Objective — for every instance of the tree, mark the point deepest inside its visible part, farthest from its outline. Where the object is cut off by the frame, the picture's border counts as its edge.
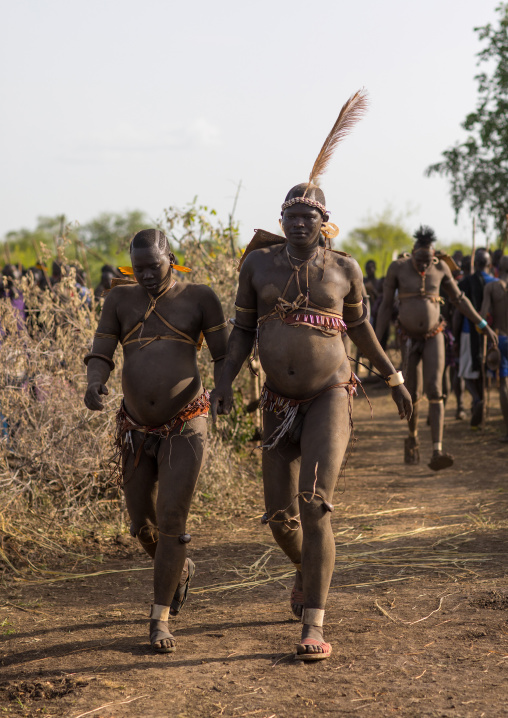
(27, 247)
(382, 239)
(478, 167)
(103, 240)
(108, 233)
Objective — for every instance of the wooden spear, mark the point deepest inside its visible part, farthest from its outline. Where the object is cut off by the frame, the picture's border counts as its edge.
(474, 245)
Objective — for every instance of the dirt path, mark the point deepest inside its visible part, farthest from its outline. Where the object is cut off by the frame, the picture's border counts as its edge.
(417, 614)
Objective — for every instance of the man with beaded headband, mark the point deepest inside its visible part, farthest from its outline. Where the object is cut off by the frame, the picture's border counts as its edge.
(161, 424)
(295, 300)
(419, 278)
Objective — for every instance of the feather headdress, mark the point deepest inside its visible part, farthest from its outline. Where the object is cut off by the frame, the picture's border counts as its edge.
(351, 112)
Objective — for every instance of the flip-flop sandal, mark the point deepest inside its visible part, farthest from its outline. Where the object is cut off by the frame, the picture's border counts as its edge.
(441, 461)
(296, 600)
(156, 635)
(326, 652)
(181, 592)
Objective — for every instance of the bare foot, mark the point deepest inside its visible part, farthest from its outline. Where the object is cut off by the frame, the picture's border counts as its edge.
(161, 640)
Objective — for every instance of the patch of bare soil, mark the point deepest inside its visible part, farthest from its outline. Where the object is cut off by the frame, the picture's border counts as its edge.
(417, 613)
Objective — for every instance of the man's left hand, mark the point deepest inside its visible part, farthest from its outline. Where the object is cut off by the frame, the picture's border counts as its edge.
(402, 398)
(491, 335)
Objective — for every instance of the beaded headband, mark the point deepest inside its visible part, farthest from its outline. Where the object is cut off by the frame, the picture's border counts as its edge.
(305, 200)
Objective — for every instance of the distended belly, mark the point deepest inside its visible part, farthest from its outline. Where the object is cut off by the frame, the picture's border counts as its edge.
(158, 382)
(300, 361)
(419, 315)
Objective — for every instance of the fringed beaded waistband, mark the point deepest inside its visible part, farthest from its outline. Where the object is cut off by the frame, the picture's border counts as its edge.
(287, 408)
(125, 424)
(318, 321)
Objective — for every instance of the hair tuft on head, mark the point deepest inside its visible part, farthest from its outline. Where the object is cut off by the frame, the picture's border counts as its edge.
(425, 236)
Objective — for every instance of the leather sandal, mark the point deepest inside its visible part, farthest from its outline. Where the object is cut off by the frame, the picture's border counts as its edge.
(321, 656)
(182, 590)
(159, 629)
(440, 461)
(296, 603)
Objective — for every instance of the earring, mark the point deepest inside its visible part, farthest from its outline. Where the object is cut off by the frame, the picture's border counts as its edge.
(329, 230)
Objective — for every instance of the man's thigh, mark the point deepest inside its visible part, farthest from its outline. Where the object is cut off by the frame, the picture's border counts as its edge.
(139, 479)
(434, 356)
(281, 469)
(180, 458)
(325, 436)
(413, 369)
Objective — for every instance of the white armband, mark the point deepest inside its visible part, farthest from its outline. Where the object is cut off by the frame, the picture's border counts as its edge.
(395, 379)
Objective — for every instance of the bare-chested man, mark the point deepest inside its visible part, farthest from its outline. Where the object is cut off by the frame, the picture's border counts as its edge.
(161, 429)
(419, 279)
(296, 299)
(495, 303)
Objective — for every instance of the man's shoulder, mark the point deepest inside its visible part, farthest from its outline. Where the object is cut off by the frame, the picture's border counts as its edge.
(196, 291)
(264, 253)
(121, 292)
(345, 263)
(495, 287)
(443, 268)
(404, 260)
(262, 256)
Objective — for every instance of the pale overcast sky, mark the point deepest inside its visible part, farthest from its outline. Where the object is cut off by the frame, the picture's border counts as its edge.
(111, 105)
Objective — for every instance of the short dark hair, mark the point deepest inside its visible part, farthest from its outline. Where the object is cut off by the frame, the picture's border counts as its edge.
(148, 238)
(481, 258)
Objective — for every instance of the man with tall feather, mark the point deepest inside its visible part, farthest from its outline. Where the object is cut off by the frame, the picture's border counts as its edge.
(295, 301)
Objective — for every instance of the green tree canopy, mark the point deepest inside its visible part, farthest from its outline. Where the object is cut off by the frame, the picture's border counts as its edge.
(478, 167)
(381, 239)
(108, 233)
(103, 240)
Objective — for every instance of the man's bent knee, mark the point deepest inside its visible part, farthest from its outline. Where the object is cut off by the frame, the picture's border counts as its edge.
(147, 534)
(281, 522)
(314, 507)
(172, 522)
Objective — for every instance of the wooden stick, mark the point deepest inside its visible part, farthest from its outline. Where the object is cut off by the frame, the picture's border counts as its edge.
(484, 382)
(474, 245)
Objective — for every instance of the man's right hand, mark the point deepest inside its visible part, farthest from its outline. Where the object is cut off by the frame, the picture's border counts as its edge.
(221, 401)
(93, 399)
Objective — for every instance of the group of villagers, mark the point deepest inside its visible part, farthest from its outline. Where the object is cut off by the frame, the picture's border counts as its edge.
(296, 300)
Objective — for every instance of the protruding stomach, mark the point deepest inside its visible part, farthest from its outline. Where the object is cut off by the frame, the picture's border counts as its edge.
(159, 380)
(300, 361)
(418, 315)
